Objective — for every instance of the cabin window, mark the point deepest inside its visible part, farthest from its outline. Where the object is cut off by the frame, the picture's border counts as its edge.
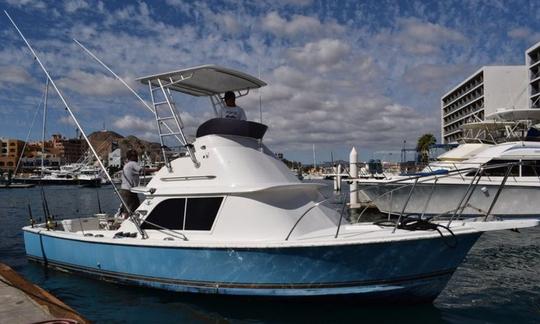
(191, 214)
(168, 214)
(501, 171)
(530, 169)
(201, 213)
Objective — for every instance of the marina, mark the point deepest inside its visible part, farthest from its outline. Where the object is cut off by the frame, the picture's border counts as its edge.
(206, 222)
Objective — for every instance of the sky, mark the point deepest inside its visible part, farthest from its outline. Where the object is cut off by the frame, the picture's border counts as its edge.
(368, 74)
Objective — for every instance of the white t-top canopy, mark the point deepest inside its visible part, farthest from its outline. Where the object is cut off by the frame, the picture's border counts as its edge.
(515, 114)
(205, 80)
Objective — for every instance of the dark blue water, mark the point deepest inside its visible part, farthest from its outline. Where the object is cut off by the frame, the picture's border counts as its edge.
(499, 282)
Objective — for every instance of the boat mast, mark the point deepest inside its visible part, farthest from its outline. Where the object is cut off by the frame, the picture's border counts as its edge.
(43, 128)
(27, 137)
(133, 219)
(314, 162)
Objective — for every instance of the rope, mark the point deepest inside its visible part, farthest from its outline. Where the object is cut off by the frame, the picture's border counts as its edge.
(410, 223)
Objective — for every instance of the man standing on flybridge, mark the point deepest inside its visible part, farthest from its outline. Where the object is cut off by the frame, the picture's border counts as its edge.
(231, 110)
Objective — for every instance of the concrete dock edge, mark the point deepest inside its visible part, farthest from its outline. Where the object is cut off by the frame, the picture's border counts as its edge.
(23, 302)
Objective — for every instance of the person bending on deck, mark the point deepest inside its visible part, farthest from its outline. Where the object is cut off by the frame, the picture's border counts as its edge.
(130, 179)
(231, 110)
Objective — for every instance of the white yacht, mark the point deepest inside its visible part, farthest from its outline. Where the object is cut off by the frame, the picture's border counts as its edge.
(482, 167)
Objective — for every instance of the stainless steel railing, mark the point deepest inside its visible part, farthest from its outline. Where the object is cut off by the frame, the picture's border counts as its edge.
(457, 212)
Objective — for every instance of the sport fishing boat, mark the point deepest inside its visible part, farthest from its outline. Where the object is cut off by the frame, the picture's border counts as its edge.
(229, 218)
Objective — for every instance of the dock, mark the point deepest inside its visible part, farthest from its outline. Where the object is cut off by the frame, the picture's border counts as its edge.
(23, 302)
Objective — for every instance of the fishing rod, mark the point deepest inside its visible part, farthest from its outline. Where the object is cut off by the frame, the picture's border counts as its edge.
(32, 222)
(83, 133)
(98, 201)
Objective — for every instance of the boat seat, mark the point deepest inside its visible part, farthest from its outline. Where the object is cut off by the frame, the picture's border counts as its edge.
(225, 126)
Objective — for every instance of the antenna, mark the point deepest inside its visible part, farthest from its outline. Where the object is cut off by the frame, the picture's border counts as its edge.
(53, 84)
(260, 95)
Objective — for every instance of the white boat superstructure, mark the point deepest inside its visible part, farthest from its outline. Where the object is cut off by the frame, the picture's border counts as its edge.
(438, 191)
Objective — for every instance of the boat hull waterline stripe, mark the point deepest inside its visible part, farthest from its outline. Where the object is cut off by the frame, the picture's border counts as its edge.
(249, 289)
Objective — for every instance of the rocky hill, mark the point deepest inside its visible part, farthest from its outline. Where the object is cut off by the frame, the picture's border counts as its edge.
(107, 141)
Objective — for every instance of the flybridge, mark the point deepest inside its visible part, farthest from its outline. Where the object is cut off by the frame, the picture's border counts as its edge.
(206, 80)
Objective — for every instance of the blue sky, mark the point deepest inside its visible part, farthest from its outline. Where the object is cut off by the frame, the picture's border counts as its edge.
(340, 73)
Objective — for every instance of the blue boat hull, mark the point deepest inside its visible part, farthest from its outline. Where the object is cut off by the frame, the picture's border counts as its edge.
(416, 270)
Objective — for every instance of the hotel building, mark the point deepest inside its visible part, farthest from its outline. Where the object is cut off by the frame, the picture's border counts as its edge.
(532, 60)
(10, 151)
(482, 93)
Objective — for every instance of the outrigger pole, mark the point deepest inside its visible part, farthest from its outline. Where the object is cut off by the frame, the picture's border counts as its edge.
(53, 84)
(115, 75)
(153, 111)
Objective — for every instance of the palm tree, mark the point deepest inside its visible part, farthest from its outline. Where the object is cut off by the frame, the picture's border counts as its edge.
(423, 144)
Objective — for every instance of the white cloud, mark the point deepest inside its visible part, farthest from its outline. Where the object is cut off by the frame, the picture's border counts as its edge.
(524, 33)
(426, 78)
(297, 25)
(14, 75)
(296, 2)
(322, 55)
(135, 124)
(34, 4)
(67, 120)
(92, 84)
(146, 127)
(230, 23)
(71, 6)
(420, 38)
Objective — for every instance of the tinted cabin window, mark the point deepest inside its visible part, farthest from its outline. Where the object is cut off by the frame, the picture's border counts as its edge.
(168, 214)
(201, 213)
(501, 171)
(530, 169)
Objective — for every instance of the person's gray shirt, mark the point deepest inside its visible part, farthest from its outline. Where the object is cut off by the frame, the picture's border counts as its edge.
(130, 175)
(233, 113)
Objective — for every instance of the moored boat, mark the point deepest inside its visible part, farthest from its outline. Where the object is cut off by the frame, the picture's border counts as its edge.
(229, 218)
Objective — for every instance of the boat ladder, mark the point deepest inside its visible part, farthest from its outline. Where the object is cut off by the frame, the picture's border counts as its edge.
(168, 120)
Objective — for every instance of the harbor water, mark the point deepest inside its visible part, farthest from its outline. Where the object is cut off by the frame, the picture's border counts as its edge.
(499, 281)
